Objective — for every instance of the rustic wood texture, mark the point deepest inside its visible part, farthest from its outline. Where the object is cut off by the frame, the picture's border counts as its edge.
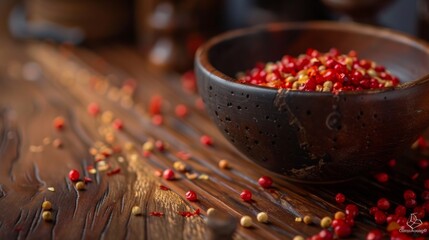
(70, 79)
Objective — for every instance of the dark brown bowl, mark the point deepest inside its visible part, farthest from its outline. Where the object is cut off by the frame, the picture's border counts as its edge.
(314, 136)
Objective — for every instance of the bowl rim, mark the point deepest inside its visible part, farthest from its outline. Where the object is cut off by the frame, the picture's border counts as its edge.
(201, 56)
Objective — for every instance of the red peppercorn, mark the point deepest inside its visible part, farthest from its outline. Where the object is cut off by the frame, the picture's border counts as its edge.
(373, 210)
(410, 203)
(425, 195)
(337, 222)
(409, 194)
(93, 109)
(343, 230)
(420, 212)
(340, 198)
(155, 105)
(426, 184)
(74, 175)
(160, 145)
(189, 81)
(382, 177)
(383, 204)
(181, 111)
(400, 211)
(352, 210)
(380, 217)
(325, 234)
(392, 163)
(349, 221)
(118, 124)
(168, 174)
(265, 181)
(191, 196)
(421, 142)
(157, 119)
(425, 206)
(391, 218)
(59, 123)
(374, 235)
(206, 140)
(423, 163)
(415, 176)
(402, 221)
(246, 195)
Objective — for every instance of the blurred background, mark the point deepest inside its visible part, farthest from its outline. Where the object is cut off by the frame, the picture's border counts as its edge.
(168, 32)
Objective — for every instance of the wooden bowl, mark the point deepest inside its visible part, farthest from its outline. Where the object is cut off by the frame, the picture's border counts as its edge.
(315, 136)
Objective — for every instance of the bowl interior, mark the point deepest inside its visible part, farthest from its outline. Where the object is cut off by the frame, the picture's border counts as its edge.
(240, 50)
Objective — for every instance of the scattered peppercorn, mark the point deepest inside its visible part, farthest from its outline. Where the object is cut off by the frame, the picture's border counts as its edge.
(168, 174)
(262, 217)
(93, 109)
(80, 186)
(47, 216)
(181, 111)
(189, 214)
(148, 146)
(382, 177)
(155, 105)
(156, 214)
(372, 210)
(223, 164)
(246, 221)
(188, 80)
(206, 140)
(383, 204)
(409, 194)
(210, 211)
(410, 203)
(340, 215)
(379, 217)
(179, 166)
(118, 124)
(325, 234)
(191, 196)
(46, 205)
(423, 163)
(315, 71)
(308, 219)
(392, 163)
(343, 230)
(136, 211)
(265, 181)
(113, 172)
(87, 180)
(325, 222)
(164, 188)
(246, 195)
(157, 120)
(59, 123)
(57, 143)
(352, 210)
(74, 175)
(160, 145)
(340, 198)
(400, 211)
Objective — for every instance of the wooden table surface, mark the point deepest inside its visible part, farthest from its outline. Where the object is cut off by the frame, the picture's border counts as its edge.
(40, 81)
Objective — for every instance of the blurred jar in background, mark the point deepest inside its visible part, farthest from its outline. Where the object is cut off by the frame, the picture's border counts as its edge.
(96, 20)
(170, 31)
(423, 15)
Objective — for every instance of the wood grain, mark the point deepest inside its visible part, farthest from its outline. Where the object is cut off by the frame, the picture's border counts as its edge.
(72, 78)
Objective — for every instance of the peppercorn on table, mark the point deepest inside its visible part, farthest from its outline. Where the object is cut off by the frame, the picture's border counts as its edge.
(97, 144)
